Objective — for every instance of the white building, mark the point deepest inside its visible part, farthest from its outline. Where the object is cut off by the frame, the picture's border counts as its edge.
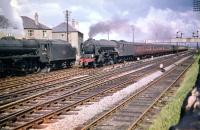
(33, 29)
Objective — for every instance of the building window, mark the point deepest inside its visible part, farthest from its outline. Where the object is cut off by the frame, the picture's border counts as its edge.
(30, 33)
(44, 33)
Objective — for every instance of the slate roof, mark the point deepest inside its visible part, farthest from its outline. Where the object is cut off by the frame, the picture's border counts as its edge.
(29, 23)
(62, 28)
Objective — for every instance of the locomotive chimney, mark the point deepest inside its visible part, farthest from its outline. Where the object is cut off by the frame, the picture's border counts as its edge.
(36, 19)
(73, 23)
(77, 25)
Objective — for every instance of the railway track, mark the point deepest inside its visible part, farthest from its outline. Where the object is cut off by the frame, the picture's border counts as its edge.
(128, 114)
(61, 85)
(37, 79)
(149, 117)
(30, 112)
(9, 95)
(15, 93)
(33, 76)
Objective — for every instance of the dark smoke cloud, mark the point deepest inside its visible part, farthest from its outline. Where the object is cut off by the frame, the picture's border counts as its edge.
(114, 25)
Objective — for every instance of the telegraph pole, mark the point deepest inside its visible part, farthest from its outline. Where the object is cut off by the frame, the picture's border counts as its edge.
(196, 35)
(67, 13)
(177, 36)
(196, 9)
(177, 43)
(108, 35)
(197, 40)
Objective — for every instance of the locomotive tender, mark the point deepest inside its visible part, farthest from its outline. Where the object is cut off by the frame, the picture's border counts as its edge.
(33, 55)
(99, 52)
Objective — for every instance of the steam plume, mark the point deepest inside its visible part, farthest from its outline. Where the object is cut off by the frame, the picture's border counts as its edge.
(10, 21)
(158, 24)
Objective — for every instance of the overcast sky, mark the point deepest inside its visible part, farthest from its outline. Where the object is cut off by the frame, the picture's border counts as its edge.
(151, 18)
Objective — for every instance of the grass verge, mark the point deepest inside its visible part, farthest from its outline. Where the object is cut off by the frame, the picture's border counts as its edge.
(170, 114)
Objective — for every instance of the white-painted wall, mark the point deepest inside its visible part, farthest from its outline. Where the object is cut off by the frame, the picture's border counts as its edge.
(38, 34)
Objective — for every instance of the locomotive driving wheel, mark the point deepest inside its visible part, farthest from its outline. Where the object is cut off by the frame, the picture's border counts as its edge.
(48, 69)
(111, 62)
(94, 65)
(38, 69)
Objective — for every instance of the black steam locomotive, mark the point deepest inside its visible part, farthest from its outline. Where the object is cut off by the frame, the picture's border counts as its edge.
(100, 52)
(33, 55)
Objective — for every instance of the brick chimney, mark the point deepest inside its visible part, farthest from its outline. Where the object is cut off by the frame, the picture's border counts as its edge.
(77, 25)
(73, 23)
(36, 19)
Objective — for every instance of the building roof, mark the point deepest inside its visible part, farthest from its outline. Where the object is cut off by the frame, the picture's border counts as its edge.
(62, 28)
(29, 23)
